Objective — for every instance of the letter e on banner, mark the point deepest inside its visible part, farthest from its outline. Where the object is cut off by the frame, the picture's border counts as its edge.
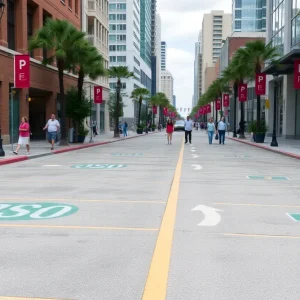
(242, 92)
(98, 94)
(260, 84)
(297, 74)
(22, 71)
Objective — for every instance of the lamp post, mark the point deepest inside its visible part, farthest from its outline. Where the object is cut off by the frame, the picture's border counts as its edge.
(118, 92)
(2, 6)
(2, 153)
(274, 140)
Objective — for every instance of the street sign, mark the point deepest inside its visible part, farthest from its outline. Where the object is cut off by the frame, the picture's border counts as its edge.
(211, 215)
(294, 216)
(35, 211)
(98, 166)
(267, 177)
(127, 154)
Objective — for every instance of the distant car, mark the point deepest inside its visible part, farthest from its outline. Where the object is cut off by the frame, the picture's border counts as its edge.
(179, 125)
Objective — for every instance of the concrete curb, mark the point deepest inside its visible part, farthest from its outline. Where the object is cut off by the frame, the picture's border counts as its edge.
(20, 158)
(284, 153)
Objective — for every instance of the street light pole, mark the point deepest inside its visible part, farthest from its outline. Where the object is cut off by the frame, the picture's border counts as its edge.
(274, 139)
(91, 123)
(2, 153)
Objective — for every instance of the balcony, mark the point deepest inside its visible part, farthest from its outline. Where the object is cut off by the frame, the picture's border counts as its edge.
(95, 41)
(96, 10)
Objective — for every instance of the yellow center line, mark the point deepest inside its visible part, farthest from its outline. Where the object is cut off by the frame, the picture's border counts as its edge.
(261, 235)
(84, 200)
(76, 227)
(156, 284)
(254, 204)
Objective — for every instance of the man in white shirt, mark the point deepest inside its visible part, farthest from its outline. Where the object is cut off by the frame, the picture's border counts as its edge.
(188, 127)
(53, 128)
(222, 130)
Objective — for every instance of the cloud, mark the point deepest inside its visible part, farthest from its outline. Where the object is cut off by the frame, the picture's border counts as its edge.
(184, 6)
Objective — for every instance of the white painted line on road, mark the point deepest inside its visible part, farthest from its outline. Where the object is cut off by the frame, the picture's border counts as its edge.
(254, 204)
(211, 215)
(193, 150)
(197, 167)
(260, 235)
(291, 217)
(51, 166)
(195, 155)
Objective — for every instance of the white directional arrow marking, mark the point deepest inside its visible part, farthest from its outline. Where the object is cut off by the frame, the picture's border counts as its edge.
(197, 167)
(211, 215)
(195, 155)
(193, 150)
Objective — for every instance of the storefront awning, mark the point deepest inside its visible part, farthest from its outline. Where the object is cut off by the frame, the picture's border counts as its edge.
(285, 65)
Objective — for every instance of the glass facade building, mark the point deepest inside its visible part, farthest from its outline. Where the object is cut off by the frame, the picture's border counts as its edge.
(278, 23)
(145, 25)
(248, 15)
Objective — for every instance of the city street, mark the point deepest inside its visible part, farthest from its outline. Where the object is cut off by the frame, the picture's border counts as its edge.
(140, 219)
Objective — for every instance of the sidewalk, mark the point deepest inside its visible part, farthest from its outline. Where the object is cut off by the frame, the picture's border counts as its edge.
(42, 148)
(285, 147)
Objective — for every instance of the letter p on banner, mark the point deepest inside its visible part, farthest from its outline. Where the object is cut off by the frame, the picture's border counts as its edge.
(260, 84)
(21, 71)
(98, 95)
(242, 92)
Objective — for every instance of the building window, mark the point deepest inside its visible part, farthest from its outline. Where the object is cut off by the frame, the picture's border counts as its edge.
(29, 26)
(112, 37)
(121, 6)
(70, 4)
(136, 61)
(11, 25)
(112, 59)
(112, 17)
(121, 17)
(76, 7)
(121, 37)
(121, 58)
(112, 85)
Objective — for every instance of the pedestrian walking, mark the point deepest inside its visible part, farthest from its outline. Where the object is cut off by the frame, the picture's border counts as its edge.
(24, 133)
(188, 127)
(222, 131)
(169, 130)
(125, 126)
(53, 127)
(211, 129)
(95, 128)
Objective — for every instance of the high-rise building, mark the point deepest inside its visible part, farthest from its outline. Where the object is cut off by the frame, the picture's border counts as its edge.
(248, 16)
(174, 100)
(95, 24)
(163, 56)
(145, 28)
(216, 27)
(158, 53)
(197, 70)
(21, 19)
(167, 84)
(154, 70)
(125, 32)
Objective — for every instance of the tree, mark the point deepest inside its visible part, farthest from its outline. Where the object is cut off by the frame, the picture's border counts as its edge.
(255, 54)
(236, 73)
(61, 38)
(161, 100)
(112, 104)
(86, 61)
(119, 72)
(139, 94)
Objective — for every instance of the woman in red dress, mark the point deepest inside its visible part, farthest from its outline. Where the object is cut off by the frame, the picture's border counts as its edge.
(170, 129)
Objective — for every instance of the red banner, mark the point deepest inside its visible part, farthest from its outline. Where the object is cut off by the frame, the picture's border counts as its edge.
(218, 104)
(204, 110)
(208, 108)
(260, 84)
(225, 100)
(242, 92)
(297, 74)
(22, 71)
(98, 95)
(165, 111)
(201, 110)
(154, 109)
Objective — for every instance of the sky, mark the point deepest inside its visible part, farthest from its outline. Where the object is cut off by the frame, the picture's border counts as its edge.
(181, 22)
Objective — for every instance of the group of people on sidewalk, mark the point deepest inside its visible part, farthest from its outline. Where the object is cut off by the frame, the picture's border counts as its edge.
(218, 130)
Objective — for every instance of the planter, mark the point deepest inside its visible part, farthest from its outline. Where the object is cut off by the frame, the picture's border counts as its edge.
(81, 139)
(139, 131)
(259, 138)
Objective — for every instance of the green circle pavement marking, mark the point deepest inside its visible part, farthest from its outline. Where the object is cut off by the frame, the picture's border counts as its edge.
(35, 211)
(99, 166)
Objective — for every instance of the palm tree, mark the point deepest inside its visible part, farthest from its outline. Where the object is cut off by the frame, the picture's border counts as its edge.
(256, 53)
(163, 101)
(119, 72)
(61, 38)
(139, 94)
(236, 73)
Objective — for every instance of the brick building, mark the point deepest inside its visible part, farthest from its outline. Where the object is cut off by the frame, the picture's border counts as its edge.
(20, 21)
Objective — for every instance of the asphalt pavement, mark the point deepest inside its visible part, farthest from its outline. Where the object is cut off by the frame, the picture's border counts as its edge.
(145, 220)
